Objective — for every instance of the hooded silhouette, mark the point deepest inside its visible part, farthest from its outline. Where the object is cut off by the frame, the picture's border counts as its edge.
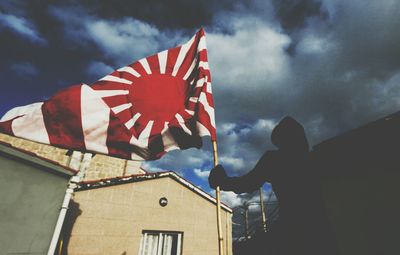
(289, 136)
(302, 221)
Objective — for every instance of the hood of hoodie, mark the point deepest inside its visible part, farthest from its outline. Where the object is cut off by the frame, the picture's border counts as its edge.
(289, 135)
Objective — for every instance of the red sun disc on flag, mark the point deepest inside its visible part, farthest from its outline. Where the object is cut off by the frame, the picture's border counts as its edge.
(158, 97)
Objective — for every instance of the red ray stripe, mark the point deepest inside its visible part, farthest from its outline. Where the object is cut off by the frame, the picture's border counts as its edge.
(190, 55)
(5, 127)
(193, 74)
(158, 126)
(210, 99)
(205, 73)
(203, 56)
(140, 125)
(118, 138)
(154, 64)
(185, 115)
(204, 119)
(62, 117)
(128, 76)
(139, 68)
(109, 85)
(124, 75)
(171, 60)
(116, 74)
(191, 106)
(116, 100)
(124, 116)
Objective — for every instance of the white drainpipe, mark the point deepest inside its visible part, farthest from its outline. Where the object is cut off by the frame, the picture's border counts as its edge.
(61, 216)
(78, 161)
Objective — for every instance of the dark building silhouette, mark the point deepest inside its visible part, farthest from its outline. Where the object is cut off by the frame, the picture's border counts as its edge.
(360, 176)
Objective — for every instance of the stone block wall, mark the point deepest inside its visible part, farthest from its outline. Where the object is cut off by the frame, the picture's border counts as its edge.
(102, 166)
(42, 150)
(94, 167)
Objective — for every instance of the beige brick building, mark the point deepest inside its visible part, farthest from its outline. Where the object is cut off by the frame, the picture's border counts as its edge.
(126, 216)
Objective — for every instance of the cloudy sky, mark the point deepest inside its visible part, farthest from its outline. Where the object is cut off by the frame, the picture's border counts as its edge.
(332, 64)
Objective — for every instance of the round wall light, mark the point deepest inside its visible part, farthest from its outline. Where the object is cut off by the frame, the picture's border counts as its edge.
(163, 201)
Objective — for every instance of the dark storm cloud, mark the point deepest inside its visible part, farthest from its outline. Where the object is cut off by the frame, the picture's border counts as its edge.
(348, 66)
(25, 69)
(163, 14)
(58, 64)
(293, 14)
(36, 32)
(339, 77)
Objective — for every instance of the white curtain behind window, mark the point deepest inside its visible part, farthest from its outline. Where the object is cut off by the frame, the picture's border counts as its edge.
(150, 244)
(160, 244)
(167, 244)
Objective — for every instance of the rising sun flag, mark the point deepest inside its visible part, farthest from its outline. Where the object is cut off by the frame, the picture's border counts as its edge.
(141, 111)
(138, 112)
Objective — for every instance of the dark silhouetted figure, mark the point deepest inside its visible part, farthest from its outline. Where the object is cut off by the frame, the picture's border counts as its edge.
(303, 227)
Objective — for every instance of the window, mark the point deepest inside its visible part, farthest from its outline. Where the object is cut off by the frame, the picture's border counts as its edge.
(161, 243)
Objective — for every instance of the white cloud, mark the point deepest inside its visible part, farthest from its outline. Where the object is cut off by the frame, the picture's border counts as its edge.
(184, 160)
(202, 174)
(227, 127)
(264, 125)
(21, 26)
(254, 207)
(117, 38)
(231, 199)
(123, 40)
(242, 144)
(198, 158)
(312, 44)
(148, 167)
(252, 57)
(234, 163)
(253, 199)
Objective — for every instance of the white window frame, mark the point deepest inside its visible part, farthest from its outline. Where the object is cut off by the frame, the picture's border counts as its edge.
(161, 236)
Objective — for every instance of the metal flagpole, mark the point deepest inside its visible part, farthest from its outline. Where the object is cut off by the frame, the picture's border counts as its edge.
(264, 221)
(218, 196)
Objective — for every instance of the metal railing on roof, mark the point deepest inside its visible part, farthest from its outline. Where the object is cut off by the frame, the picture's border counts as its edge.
(254, 225)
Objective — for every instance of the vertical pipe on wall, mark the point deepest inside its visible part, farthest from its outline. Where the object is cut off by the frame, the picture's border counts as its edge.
(61, 216)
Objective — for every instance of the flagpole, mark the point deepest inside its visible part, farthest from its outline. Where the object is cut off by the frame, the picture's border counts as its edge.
(218, 197)
(264, 220)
